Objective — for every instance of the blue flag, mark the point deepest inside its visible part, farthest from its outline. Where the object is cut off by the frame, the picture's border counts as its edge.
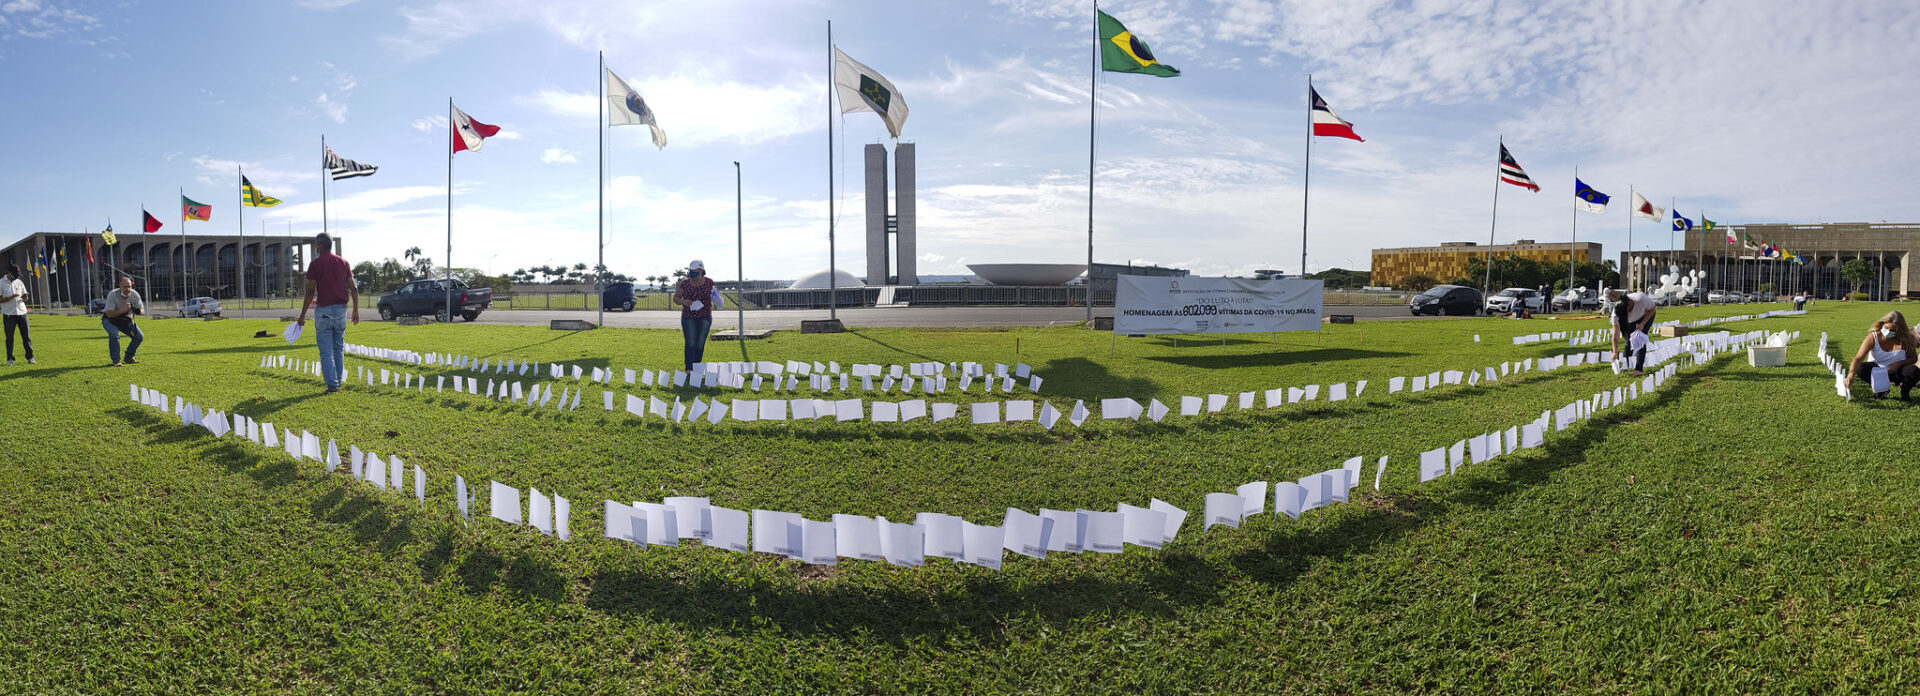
(1587, 199)
(1681, 224)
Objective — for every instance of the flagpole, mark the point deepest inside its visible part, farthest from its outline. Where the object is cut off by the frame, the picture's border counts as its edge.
(1093, 115)
(451, 134)
(1306, 179)
(1575, 240)
(833, 267)
(1486, 286)
(1630, 214)
(181, 268)
(239, 221)
(600, 239)
(1670, 213)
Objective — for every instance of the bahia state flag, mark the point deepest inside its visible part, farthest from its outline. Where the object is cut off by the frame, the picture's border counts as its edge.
(863, 89)
(1587, 199)
(1121, 51)
(193, 210)
(1681, 223)
(1325, 122)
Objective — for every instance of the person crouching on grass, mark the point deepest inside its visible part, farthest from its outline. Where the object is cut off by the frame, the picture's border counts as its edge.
(122, 304)
(1889, 345)
(1632, 315)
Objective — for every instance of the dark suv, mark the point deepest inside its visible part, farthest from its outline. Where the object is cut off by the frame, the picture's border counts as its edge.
(617, 296)
(1446, 300)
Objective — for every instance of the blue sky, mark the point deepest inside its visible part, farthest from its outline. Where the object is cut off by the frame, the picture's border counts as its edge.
(1753, 111)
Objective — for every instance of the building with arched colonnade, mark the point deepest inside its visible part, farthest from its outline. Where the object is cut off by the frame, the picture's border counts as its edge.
(165, 268)
(1888, 248)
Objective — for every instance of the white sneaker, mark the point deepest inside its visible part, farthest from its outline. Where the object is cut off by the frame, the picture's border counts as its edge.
(9, 363)
(31, 361)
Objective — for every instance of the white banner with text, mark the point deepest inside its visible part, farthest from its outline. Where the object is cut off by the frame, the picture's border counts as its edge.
(1162, 304)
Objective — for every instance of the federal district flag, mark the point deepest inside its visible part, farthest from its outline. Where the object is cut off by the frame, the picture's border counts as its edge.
(1325, 122)
(253, 197)
(1121, 51)
(152, 224)
(626, 108)
(862, 89)
(342, 168)
(1587, 199)
(191, 210)
(1511, 172)
(1645, 209)
(467, 133)
(1681, 223)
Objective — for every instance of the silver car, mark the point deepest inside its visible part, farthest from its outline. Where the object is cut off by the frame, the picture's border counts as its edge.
(200, 307)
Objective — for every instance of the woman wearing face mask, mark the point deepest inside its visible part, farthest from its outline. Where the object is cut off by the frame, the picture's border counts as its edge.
(697, 298)
(1889, 346)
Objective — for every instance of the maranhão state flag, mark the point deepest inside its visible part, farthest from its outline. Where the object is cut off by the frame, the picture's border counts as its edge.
(467, 133)
(1325, 122)
(1510, 171)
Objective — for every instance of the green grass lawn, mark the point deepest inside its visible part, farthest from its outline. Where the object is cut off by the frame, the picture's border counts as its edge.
(1740, 530)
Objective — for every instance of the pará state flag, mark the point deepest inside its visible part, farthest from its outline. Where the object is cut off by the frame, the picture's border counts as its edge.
(626, 108)
(1587, 199)
(862, 89)
(1681, 223)
(1122, 51)
(467, 133)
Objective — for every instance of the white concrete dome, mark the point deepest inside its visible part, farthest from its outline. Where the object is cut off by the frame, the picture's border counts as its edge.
(817, 280)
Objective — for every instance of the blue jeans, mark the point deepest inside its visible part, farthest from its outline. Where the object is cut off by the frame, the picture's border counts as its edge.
(330, 331)
(113, 340)
(694, 330)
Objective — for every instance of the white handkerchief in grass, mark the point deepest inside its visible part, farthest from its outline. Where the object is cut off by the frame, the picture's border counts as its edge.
(985, 412)
(1289, 499)
(1479, 449)
(802, 409)
(624, 523)
(817, 543)
(1295, 394)
(1379, 472)
(1006, 385)
(1276, 397)
(1190, 405)
(1313, 392)
(419, 484)
(1473, 378)
(539, 511)
(1224, 508)
(885, 412)
(1050, 415)
(716, 412)
(1156, 410)
(912, 408)
(746, 410)
(729, 529)
(1106, 531)
(943, 411)
(902, 544)
(849, 409)
(1068, 530)
(1019, 410)
(1246, 400)
(1142, 526)
(1079, 414)
(857, 537)
(1490, 376)
(1216, 403)
(1174, 518)
(1033, 384)
(1419, 383)
(777, 532)
(1359, 388)
(663, 523)
(1024, 533)
(1339, 482)
(944, 537)
(696, 410)
(1337, 392)
(1318, 491)
(773, 409)
(1112, 409)
(1512, 440)
(1433, 464)
(396, 473)
(505, 503)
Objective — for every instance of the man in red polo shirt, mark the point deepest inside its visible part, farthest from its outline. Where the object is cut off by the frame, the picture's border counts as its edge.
(329, 289)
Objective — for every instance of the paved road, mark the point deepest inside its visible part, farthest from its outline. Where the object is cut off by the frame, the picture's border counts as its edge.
(876, 317)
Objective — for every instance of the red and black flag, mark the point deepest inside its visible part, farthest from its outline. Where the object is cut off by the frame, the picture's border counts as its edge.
(1511, 172)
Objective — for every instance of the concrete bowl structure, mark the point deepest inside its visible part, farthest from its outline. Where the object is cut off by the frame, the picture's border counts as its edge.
(1027, 273)
(817, 280)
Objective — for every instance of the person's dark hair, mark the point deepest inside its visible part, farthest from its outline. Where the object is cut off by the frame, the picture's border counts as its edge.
(13, 268)
(323, 243)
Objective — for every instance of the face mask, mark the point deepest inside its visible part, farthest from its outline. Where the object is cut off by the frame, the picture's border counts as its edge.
(1886, 333)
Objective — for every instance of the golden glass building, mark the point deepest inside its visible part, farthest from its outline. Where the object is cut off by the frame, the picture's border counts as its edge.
(1449, 260)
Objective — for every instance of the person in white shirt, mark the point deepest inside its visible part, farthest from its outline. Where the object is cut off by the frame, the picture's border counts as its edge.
(1889, 346)
(13, 311)
(1632, 316)
(122, 304)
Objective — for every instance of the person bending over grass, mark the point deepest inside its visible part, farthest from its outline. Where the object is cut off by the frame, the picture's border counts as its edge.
(1889, 345)
(122, 304)
(1632, 315)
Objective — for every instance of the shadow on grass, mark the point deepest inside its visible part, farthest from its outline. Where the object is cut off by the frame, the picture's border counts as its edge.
(39, 372)
(856, 333)
(1276, 358)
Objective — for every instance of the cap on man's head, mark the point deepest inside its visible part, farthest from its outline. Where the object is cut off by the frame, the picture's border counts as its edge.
(697, 265)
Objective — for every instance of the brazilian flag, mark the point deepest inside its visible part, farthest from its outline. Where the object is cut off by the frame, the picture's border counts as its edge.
(1121, 51)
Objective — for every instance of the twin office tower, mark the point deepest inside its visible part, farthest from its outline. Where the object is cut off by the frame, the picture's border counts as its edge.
(900, 224)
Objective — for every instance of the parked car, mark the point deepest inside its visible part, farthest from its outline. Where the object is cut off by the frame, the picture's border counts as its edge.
(617, 296)
(1446, 300)
(200, 307)
(430, 298)
(1720, 297)
(1502, 302)
(97, 306)
(1766, 297)
(1575, 300)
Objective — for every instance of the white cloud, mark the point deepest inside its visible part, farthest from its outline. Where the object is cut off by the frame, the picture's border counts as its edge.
(706, 111)
(554, 155)
(332, 109)
(430, 123)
